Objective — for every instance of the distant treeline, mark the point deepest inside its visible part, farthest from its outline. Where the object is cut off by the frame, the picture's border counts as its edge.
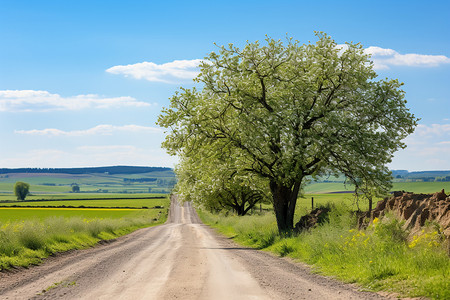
(427, 176)
(139, 179)
(108, 170)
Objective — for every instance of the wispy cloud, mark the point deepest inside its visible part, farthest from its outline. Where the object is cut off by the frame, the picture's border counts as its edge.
(432, 130)
(384, 58)
(107, 148)
(103, 129)
(171, 72)
(428, 148)
(32, 100)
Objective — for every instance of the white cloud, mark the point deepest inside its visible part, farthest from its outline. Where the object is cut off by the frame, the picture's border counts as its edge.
(103, 129)
(384, 58)
(426, 136)
(171, 72)
(428, 149)
(432, 130)
(32, 100)
(107, 148)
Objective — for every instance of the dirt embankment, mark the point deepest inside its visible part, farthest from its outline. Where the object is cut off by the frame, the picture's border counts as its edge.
(416, 210)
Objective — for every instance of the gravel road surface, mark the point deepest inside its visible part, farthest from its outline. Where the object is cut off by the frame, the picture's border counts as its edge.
(182, 259)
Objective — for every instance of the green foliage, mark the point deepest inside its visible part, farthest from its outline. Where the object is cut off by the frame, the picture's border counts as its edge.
(284, 112)
(216, 183)
(21, 190)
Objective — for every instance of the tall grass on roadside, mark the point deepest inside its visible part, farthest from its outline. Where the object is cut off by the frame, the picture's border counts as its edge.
(26, 242)
(382, 257)
(255, 231)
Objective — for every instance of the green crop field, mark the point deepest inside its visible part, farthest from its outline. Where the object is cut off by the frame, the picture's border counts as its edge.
(421, 187)
(327, 187)
(21, 213)
(8, 188)
(84, 196)
(133, 203)
(14, 214)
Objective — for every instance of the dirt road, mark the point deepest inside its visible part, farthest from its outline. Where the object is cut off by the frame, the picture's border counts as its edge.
(182, 259)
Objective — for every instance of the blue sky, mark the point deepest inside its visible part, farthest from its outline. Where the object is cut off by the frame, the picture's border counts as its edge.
(82, 82)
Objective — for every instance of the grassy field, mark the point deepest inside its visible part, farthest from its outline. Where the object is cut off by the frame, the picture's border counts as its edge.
(126, 203)
(19, 214)
(416, 187)
(94, 182)
(87, 196)
(8, 188)
(327, 187)
(29, 234)
(328, 195)
(421, 187)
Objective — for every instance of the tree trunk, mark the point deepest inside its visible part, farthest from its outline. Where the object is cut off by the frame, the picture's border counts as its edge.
(284, 201)
(240, 209)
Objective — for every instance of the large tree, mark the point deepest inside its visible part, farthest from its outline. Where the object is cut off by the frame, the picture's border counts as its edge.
(293, 111)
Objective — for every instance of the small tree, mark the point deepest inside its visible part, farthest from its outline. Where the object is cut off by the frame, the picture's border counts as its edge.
(21, 190)
(216, 183)
(75, 188)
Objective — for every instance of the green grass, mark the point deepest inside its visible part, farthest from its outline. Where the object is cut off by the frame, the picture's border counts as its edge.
(6, 187)
(327, 187)
(29, 234)
(382, 257)
(416, 187)
(421, 187)
(86, 196)
(304, 203)
(19, 214)
(134, 203)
